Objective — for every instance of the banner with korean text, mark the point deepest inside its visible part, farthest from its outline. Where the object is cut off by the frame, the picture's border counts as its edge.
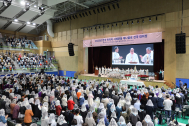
(125, 40)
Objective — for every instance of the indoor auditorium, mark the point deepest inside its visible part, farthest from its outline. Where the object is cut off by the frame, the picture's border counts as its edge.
(94, 62)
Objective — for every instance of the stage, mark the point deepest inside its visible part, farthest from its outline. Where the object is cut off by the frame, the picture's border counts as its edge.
(160, 83)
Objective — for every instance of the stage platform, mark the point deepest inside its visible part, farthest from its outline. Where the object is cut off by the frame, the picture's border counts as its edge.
(160, 83)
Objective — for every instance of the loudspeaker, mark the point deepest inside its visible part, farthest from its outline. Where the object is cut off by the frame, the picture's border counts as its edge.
(180, 43)
(70, 49)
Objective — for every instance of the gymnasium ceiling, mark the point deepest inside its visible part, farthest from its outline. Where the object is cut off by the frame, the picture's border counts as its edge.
(29, 16)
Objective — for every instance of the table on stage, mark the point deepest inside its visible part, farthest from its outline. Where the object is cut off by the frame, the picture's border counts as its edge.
(128, 82)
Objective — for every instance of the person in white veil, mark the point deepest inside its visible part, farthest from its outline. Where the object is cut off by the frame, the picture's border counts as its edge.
(138, 123)
(137, 104)
(97, 101)
(101, 122)
(52, 118)
(44, 119)
(44, 107)
(134, 117)
(64, 102)
(113, 122)
(129, 124)
(121, 122)
(89, 119)
(113, 115)
(149, 108)
(122, 101)
(46, 99)
(83, 112)
(61, 121)
(3, 118)
(147, 121)
(160, 101)
(90, 98)
(101, 106)
(28, 115)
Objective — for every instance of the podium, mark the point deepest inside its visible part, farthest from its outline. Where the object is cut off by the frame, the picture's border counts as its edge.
(96, 72)
(156, 76)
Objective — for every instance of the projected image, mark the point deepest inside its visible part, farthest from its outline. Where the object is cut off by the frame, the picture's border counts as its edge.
(133, 54)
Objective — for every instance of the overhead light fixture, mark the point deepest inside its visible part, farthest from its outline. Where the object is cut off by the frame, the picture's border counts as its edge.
(73, 17)
(127, 23)
(109, 7)
(142, 20)
(137, 21)
(150, 19)
(132, 22)
(76, 16)
(91, 28)
(113, 6)
(98, 10)
(94, 11)
(156, 18)
(35, 6)
(16, 20)
(99, 27)
(87, 29)
(108, 26)
(34, 24)
(122, 23)
(112, 25)
(104, 9)
(28, 22)
(118, 5)
(90, 12)
(64, 19)
(83, 14)
(22, 2)
(70, 18)
(80, 15)
(116, 24)
(86, 13)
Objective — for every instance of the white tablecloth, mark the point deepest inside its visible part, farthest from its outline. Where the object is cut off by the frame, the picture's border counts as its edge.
(128, 82)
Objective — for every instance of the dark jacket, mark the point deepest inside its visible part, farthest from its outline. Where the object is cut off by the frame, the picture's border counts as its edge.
(178, 100)
(116, 99)
(160, 102)
(83, 114)
(149, 111)
(134, 119)
(154, 101)
(142, 115)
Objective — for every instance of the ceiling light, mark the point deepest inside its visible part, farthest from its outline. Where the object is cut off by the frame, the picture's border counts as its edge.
(22, 2)
(150, 19)
(35, 5)
(16, 20)
(28, 22)
(34, 23)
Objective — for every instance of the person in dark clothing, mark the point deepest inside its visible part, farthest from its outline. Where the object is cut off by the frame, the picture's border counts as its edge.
(142, 113)
(143, 100)
(154, 101)
(115, 98)
(149, 108)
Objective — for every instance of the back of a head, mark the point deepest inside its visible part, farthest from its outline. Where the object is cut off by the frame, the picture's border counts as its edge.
(85, 124)
(77, 111)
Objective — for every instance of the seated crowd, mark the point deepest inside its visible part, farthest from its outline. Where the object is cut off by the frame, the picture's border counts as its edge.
(56, 101)
(20, 43)
(33, 62)
(6, 64)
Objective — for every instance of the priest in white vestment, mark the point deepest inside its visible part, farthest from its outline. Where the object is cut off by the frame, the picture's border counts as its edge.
(148, 57)
(131, 57)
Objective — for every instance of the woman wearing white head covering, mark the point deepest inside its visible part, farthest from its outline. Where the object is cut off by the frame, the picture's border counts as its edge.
(37, 109)
(46, 99)
(128, 96)
(101, 106)
(160, 101)
(3, 118)
(138, 123)
(134, 118)
(137, 104)
(90, 98)
(97, 101)
(121, 121)
(44, 119)
(83, 112)
(113, 122)
(58, 108)
(113, 115)
(178, 99)
(89, 119)
(149, 108)
(147, 121)
(61, 121)
(64, 101)
(28, 115)
(51, 118)
(7, 106)
(44, 107)
(74, 95)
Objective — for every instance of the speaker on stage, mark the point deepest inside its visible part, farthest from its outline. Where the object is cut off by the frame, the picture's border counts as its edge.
(70, 49)
(180, 43)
